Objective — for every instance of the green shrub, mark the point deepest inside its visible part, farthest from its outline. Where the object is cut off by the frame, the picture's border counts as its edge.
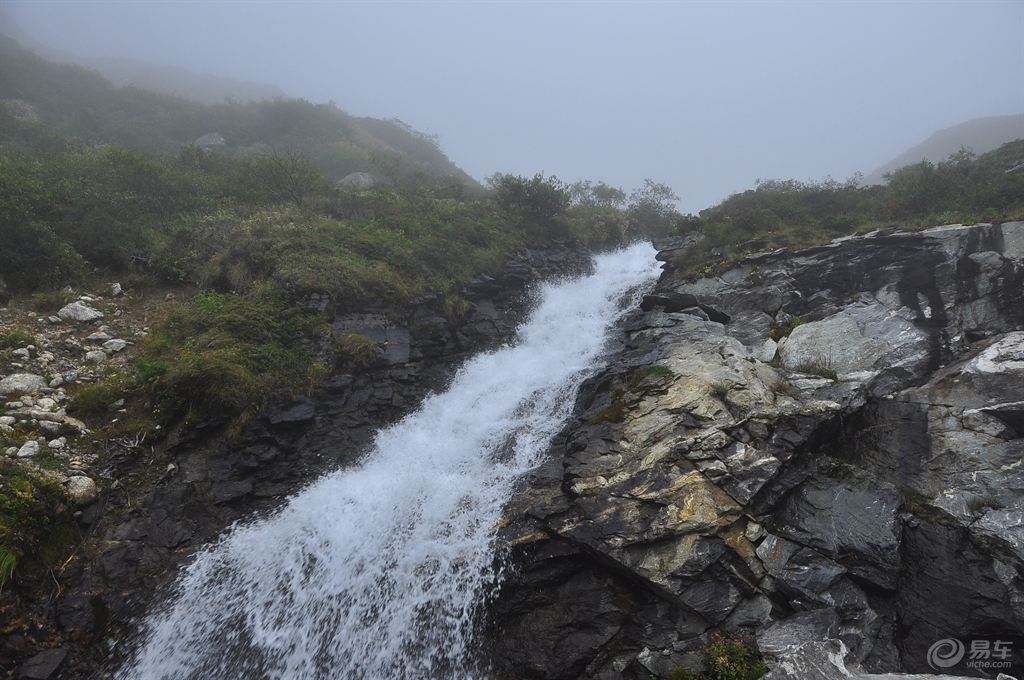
(51, 301)
(15, 338)
(228, 357)
(726, 658)
(93, 400)
(36, 527)
(8, 563)
(360, 349)
(779, 331)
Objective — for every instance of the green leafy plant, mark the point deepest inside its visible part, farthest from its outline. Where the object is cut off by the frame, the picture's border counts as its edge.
(783, 330)
(726, 658)
(8, 563)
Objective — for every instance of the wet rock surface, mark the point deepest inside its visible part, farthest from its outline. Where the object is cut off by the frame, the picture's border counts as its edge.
(854, 484)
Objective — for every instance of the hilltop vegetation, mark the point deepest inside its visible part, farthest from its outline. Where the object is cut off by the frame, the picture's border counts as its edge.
(964, 188)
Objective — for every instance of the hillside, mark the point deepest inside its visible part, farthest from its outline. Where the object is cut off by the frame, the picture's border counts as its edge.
(981, 135)
(163, 78)
(42, 98)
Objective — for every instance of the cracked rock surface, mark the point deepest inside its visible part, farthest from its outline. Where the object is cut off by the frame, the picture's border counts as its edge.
(856, 485)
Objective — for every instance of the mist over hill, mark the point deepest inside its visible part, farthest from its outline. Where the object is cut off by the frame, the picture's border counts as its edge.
(981, 135)
(42, 97)
(163, 78)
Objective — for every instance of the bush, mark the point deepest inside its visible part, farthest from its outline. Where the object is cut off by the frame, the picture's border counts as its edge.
(726, 658)
(93, 400)
(228, 357)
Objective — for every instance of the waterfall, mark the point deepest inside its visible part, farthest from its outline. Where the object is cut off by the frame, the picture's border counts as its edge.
(376, 571)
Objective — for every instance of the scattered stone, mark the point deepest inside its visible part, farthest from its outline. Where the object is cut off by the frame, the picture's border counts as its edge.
(28, 401)
(169, 297)
(22, 353)
(53, 319)
(116, 405)
(50, 428)
(82, 490)
(98, 336)
(21, 383)
(58, 443)
(29, 449)
(57, 382)
(77, 311)
(70, 376)
(95, 356)
(115, 345)
(11, 451)
(115, 290)
(7, 420)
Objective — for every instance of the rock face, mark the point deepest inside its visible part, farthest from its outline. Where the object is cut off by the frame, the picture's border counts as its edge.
(856, 484)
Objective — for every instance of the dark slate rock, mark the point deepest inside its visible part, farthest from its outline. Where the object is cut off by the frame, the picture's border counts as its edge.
(42, 666)
(300, 411)
(858, 528)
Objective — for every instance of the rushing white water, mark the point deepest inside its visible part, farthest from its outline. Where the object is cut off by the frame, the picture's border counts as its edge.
(376, 571)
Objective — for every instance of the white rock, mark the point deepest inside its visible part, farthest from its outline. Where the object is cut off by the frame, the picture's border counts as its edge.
(77, 311)
(57, 382)
(115, 290)
(29, 449)
(7, 420)
(28, 401)
(23, 353)
(96, 356)
(21, 383)
(115, 345)
(98, 336)
(49, 427)
(82, 490)
(58, 443)
(11, 451)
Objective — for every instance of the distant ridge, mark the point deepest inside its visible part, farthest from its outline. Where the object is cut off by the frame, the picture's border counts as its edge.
(979, 134)
(163, 78)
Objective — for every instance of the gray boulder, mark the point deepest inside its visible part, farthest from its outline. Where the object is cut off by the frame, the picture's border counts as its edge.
(79, 311)
(21, 383)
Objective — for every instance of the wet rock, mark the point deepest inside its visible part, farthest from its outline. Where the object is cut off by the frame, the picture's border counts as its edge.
(300, 411)
(783, 502)
(858, 528)
(44, 665)
(79, 311)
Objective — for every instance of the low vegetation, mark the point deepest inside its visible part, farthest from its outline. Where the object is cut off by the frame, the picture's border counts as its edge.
(790, 214)
(725, 658)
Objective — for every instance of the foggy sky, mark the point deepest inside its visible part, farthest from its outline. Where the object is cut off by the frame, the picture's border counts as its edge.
(705, 97)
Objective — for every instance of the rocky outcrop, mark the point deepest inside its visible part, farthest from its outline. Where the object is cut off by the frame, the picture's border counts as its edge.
(817, 447)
